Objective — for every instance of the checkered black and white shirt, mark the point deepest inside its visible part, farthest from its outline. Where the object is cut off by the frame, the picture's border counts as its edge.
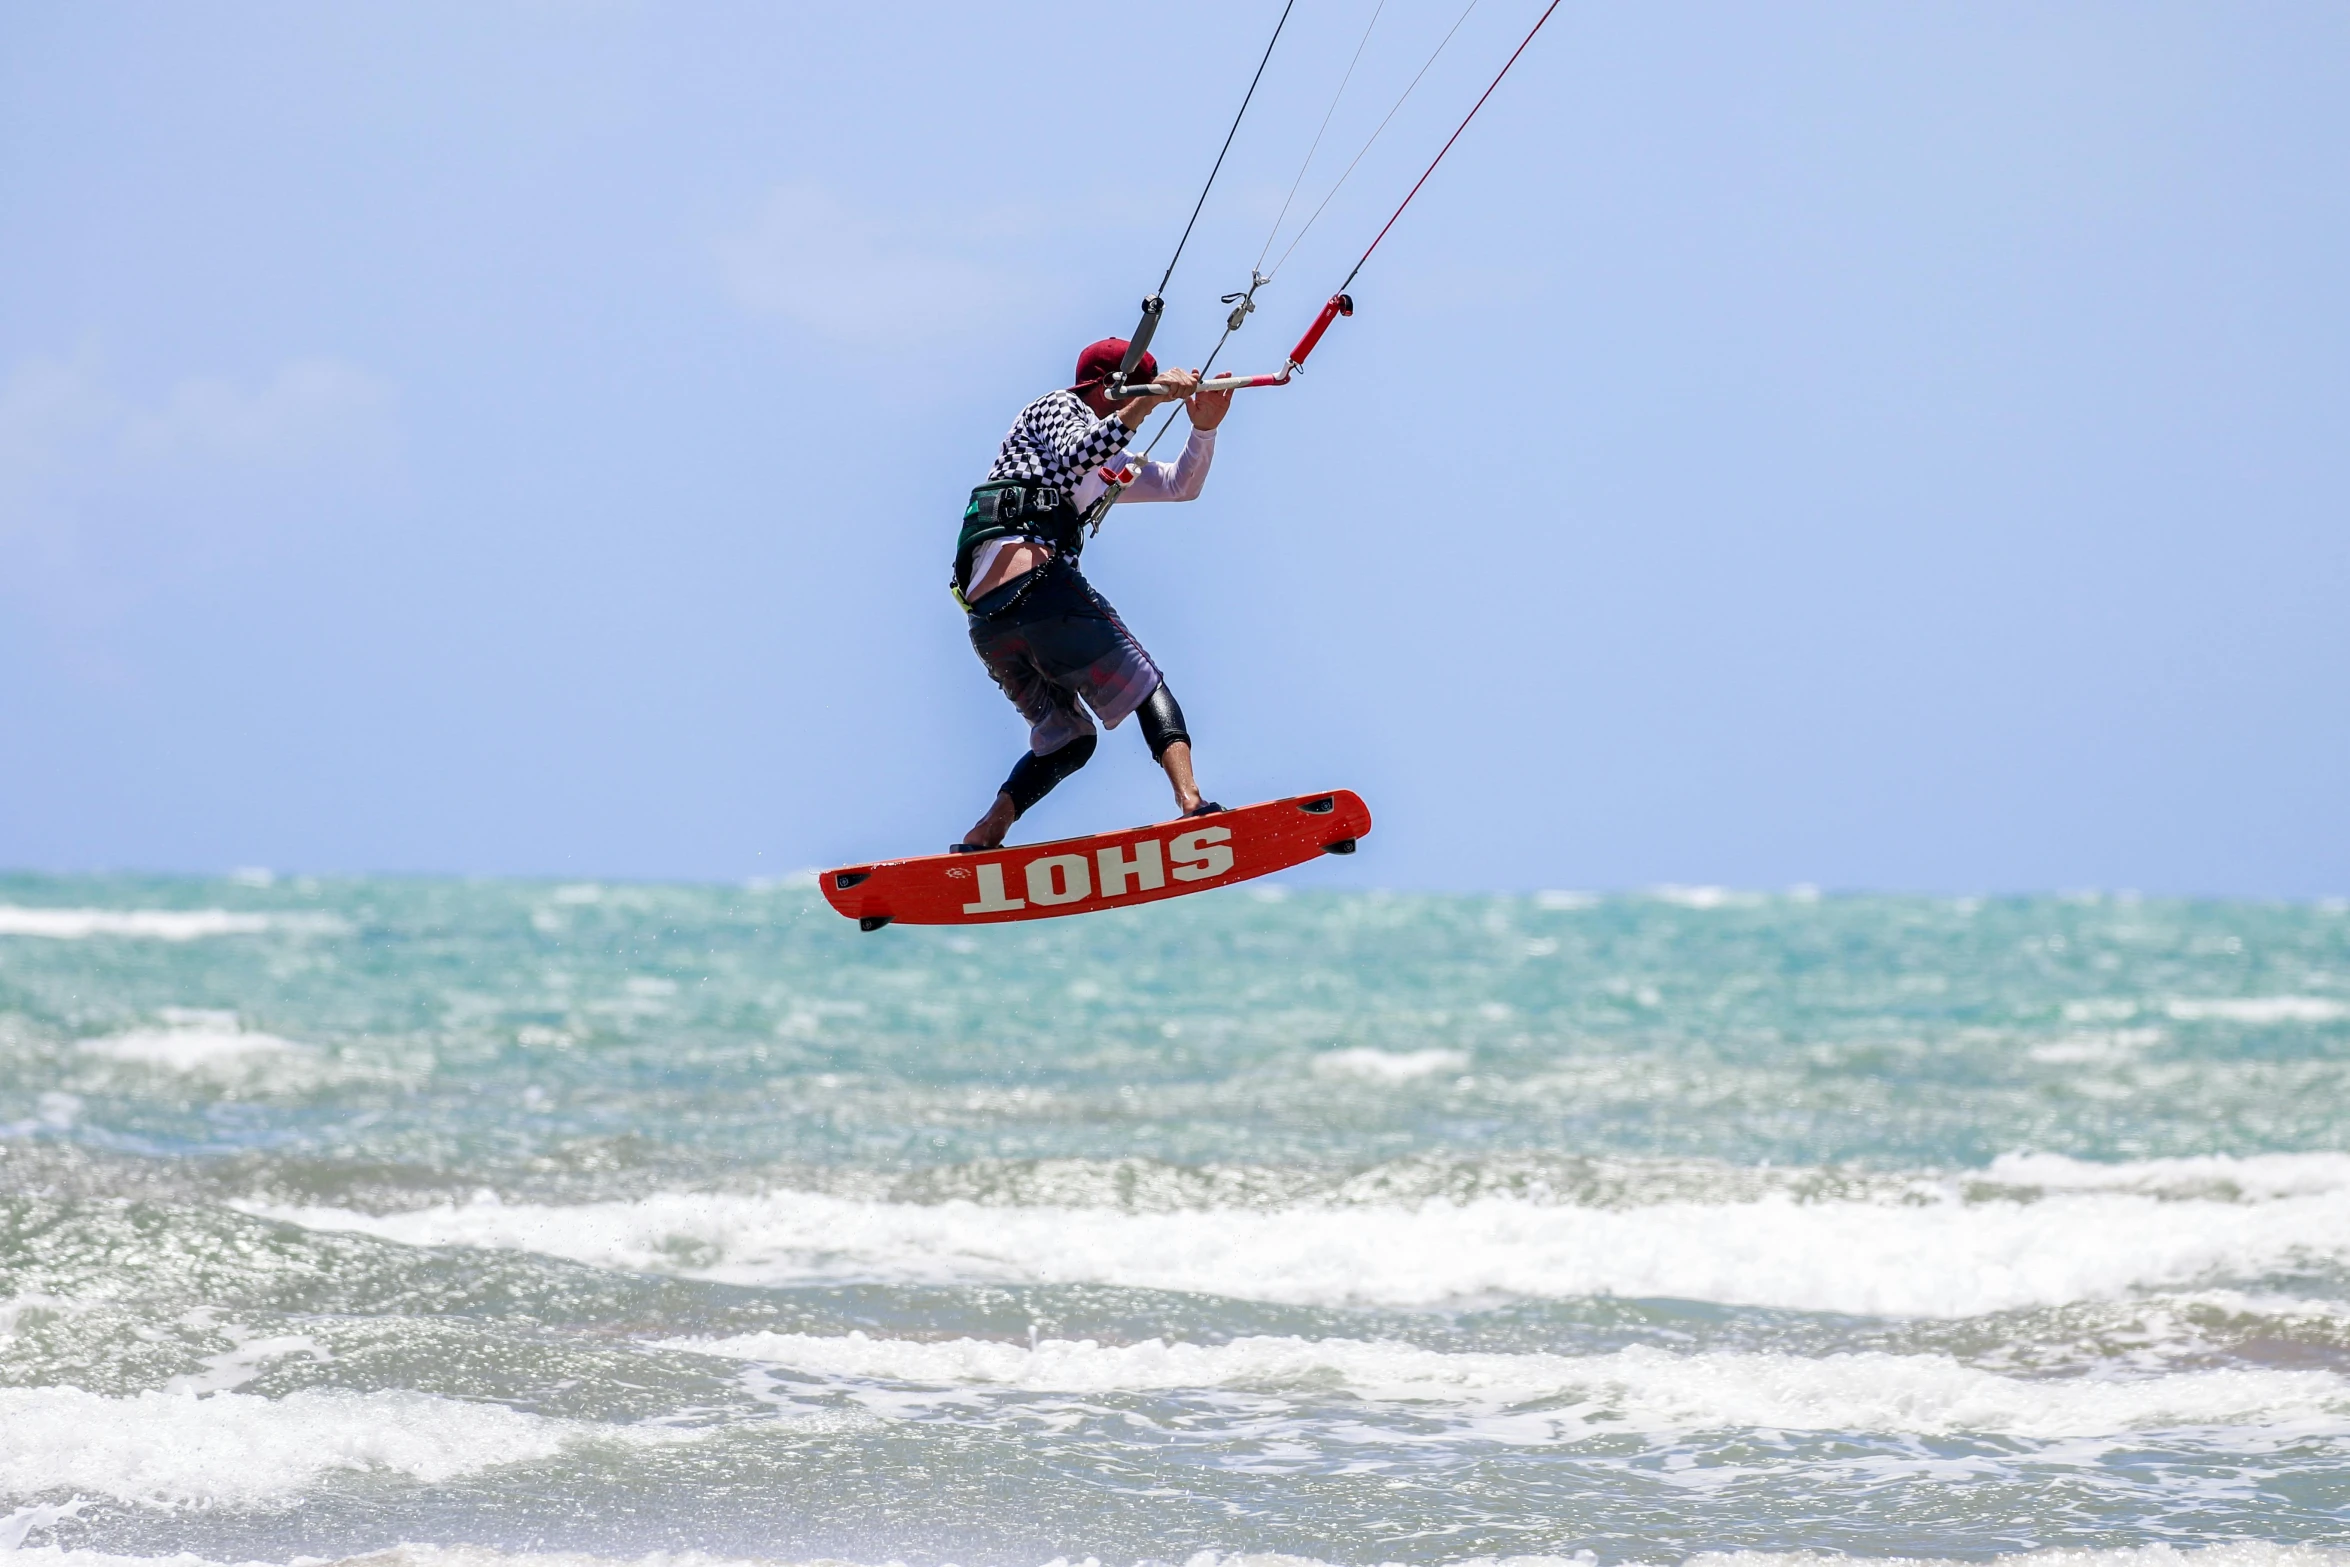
(1058, 441)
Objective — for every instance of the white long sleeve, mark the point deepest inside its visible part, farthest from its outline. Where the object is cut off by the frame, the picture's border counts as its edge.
(1179, 480)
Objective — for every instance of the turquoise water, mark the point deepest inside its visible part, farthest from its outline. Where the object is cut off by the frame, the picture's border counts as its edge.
(480, 1219)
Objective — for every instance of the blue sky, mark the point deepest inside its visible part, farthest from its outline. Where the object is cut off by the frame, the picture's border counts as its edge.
(1879, 447)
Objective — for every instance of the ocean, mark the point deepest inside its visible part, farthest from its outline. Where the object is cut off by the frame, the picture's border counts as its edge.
(463, 1223)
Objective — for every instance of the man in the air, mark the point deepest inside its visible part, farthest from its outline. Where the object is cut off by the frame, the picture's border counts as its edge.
(1053, 644)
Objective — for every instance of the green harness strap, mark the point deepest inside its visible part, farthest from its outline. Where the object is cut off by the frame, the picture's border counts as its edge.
(1015, 508)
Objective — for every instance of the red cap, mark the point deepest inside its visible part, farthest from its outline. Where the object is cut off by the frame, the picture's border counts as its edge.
(1101, 360)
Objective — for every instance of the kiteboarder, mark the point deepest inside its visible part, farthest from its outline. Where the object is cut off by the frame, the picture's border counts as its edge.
(1053, 644)
(1059, 651)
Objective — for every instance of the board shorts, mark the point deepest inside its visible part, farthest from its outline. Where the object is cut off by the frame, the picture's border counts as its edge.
(1058, 649)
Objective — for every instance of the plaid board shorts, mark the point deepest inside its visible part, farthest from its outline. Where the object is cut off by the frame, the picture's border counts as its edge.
(1061, 642)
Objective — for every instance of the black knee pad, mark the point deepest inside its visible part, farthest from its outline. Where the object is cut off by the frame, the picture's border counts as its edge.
(1033, 776)
(1162, 721)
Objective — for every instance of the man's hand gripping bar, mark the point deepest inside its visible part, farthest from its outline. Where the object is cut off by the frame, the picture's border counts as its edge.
(1340, 305)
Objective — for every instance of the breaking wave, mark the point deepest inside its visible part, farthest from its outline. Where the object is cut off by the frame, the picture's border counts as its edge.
(238, 1450)
(1639, 1389)
(2087, 1233)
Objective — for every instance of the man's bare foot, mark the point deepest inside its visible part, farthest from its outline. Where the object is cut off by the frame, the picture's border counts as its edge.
(1176, 759)
(988, 832)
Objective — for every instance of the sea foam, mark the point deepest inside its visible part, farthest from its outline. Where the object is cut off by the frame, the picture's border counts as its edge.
(2236, 1553)
(2241, 1553)
(1919, 1257)
(155, 924)
(2260, 1010)
(1639, 1388)
(195, 1050)
(238, 1450)
(1389, 1066)
(2253, 1177)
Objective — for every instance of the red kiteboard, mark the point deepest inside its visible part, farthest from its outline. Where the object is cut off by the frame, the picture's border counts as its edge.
(1039, 881)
